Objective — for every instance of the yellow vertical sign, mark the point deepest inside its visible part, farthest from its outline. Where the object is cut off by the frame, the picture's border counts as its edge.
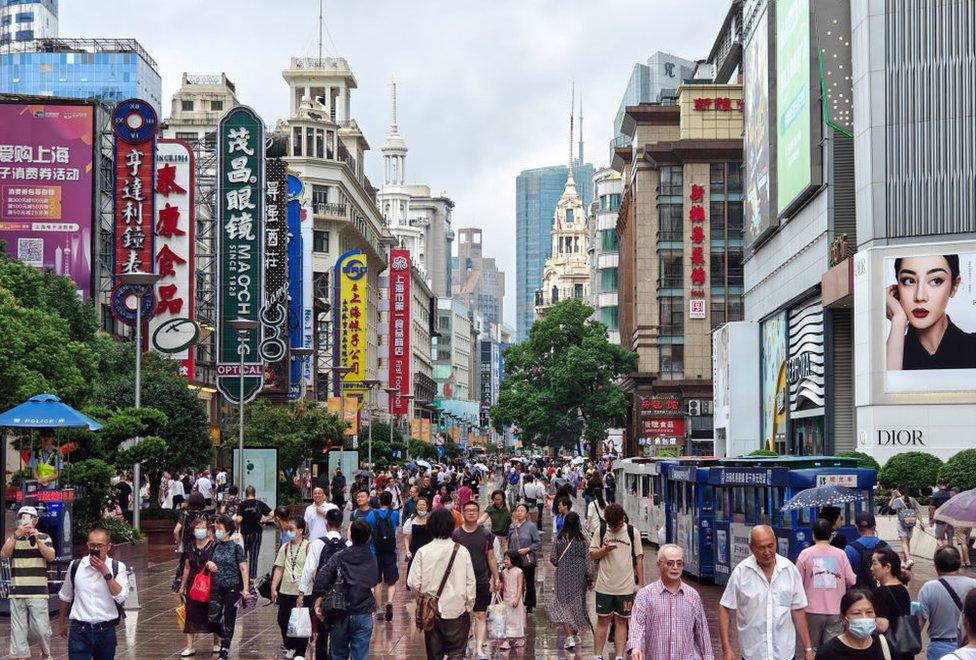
(351, 320)
(425, 430)
(415, 429)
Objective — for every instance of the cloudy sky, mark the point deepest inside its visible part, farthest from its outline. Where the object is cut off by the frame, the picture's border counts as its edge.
(483, 86)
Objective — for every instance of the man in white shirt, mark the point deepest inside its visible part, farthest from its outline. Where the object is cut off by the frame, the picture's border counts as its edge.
(765, 591)
(315, 513)
(92, 599)
(204, 486)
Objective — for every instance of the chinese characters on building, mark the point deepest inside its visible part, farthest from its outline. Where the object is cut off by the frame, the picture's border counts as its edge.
(399, 378)
(696, 301)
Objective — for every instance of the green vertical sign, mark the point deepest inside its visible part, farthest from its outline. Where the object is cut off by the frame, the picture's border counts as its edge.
(793, 157)
(240, 250)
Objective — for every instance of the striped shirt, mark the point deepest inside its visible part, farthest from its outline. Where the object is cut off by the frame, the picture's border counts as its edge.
(669, 626)
(28, 569)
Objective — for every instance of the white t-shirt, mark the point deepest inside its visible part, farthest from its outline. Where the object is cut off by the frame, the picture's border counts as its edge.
(964, 653)
(315, 520)
(204, 487)
(221, 478)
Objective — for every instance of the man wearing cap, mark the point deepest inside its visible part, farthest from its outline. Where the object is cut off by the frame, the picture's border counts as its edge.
(45, 462)
(859, 551)
(29, 551)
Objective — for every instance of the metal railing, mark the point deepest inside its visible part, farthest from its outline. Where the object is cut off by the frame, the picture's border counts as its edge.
(332, 208)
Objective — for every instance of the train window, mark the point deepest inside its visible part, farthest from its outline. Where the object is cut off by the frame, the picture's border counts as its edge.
(738, 504)
(762, 501)
(778, 496)
(645, 486)
(707, 498)
(632, 483)
(656, 481)
(805, 517)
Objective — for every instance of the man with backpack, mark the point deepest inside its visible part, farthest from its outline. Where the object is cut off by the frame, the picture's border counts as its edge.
(318, 554)
(859, 552)
(383, 523)
(91, 598)
(345, 585)
(619, 556)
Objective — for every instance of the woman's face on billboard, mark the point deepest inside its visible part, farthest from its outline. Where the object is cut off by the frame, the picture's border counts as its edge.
(924, 287)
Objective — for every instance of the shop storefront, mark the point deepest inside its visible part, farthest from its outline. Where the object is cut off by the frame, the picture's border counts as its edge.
(805, 379)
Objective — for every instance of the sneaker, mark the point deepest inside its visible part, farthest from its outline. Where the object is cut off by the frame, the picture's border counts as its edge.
(224, 653)
(216, 650)
(480, 655)
(570, 643)
(186, 653)
(519, 643)
(290, 653)
(504, 646)
(379, 616)
(389, 612)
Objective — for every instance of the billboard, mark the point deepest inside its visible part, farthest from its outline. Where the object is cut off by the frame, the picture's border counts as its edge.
(46, 169)
(930, 321)
(796, 108)
(296, 259)
(240, 247)
(399, 376)
(274, 311)
(174, 253)
(773, 380)
(757, 146)
(350, 321)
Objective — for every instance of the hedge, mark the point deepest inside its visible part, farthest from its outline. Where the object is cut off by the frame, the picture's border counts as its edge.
(863, 460)
(959, 472)
(914, 469)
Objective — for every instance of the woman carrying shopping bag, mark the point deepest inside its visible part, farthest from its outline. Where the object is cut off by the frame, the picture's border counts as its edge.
(284, 582)
(196, 620)
(230, 581)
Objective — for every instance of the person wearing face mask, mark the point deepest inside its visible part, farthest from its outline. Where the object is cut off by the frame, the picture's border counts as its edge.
(415, 534)
(285, 581)
(197, 556)
(230, 581)
(860, 639)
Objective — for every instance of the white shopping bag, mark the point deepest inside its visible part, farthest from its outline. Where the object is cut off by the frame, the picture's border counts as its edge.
(300, 623)
(496, 617)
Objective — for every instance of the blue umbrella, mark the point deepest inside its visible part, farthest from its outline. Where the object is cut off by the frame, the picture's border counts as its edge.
(46, 410)
(821, 496)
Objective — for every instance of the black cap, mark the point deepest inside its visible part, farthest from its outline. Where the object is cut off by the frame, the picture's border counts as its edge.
(865, 520)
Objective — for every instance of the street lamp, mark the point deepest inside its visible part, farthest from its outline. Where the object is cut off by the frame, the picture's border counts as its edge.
(140, 282)
(370, 383)
(242, 326)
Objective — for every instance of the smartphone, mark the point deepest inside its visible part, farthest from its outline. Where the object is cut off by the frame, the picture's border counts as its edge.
(94, 553)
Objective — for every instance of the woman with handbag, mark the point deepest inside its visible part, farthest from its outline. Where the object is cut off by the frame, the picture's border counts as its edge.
(893, 605)
(860, 639)
(287, 573)
(523, 537)
(197, 555)
(574, 575)
(230, 582)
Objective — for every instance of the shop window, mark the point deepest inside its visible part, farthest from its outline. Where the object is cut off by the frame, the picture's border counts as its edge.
(670, 222)
(716, 177)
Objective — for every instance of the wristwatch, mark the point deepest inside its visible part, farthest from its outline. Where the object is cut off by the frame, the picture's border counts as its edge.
(108, 577)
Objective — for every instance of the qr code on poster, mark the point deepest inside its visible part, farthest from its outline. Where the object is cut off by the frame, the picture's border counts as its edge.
(31, 251)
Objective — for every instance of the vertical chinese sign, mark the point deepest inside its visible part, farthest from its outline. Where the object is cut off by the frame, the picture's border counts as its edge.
(307, 219)
(134, 124)
(240, 247)
(174, 252)
(699, 244)
(350, 321)
(399, 378)
(296, 259)
(274, 313)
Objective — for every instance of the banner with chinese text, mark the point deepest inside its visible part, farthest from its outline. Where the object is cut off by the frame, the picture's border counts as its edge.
(274, 312)
(350, 321)
(399, 377)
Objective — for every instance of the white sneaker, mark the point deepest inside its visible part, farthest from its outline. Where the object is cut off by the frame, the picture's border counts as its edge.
(570, 643)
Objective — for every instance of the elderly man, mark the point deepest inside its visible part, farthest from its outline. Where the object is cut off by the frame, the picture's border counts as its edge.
(766, 593)
(668, 619)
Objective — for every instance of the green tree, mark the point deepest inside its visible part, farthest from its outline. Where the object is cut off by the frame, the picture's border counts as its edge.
(560, 382)
(301, 431)
(960, 471)
(47, 337)
(914, 469)
(863, 460)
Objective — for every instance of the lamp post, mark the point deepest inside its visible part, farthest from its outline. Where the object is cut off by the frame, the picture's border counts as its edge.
(301, 352)
(392, 392)
(370, 383)
(140, 282)
(242, 326)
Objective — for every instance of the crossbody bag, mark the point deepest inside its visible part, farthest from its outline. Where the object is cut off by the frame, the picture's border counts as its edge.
(428, 610)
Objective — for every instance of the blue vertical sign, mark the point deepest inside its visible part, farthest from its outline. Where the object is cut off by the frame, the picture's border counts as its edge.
(295, 294)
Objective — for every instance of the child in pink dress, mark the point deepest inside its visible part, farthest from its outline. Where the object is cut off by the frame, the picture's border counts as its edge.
(513, 591)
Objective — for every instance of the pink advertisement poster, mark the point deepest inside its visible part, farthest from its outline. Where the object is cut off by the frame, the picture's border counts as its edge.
(46, 188)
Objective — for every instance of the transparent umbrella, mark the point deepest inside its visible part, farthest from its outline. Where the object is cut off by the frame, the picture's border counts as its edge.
(959, 511)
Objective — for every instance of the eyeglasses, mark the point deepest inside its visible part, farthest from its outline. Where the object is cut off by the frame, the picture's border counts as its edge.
(674, 563)
(96, 546)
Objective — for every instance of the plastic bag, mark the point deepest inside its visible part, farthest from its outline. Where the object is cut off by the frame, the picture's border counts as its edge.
(540, 572)
(496, 617)
(300, 623)
(181, 616)
(200, 589)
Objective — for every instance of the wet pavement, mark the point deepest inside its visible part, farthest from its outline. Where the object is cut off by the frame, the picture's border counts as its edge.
(151, 633)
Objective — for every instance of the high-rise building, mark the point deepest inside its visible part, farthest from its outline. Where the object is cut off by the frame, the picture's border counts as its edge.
(536, 193)
(452, 350)
(26, 20)
(197, 107)
(656, 81)
(476, 279)
(604, 246)
(112, 70)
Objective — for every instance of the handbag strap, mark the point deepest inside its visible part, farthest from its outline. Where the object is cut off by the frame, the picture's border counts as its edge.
(894, 601)
(952, 592)
(885, 650)
(563, 554)
(450, 565)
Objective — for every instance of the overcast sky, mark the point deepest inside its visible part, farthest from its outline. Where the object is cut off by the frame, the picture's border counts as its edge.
(483, 86)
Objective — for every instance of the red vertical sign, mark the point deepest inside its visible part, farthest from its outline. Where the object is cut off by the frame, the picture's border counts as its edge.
(399, 378)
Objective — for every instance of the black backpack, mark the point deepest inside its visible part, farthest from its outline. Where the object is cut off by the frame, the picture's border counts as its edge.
(385, 540)
(863, 572)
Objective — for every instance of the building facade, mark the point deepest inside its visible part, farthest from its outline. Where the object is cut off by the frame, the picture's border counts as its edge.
(197, 106)
(23, 21)
(112, 70)
(453, 350)
(476, 279)
(680, 255)
(603, 249)
(536, 193)
(656, 81)
(326, 149)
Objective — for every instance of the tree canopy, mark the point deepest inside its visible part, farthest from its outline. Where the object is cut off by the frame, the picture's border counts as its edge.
(560, 382)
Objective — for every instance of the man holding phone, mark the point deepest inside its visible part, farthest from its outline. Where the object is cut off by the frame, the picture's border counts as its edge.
(29, 551)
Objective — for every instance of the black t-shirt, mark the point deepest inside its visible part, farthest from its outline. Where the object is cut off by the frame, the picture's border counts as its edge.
(251, 512)
(957, 350)
(125, 494)
(477, 542)
(835, 649)
(892, 602)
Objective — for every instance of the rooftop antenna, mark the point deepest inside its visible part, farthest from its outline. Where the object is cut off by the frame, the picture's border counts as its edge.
(321, 21)
(393, 126)
(581, 127)
(572, 103)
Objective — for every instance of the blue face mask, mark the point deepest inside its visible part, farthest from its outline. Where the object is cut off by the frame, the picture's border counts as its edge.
(862, 628)
(286, 537)
(200, 533)
(220, 534)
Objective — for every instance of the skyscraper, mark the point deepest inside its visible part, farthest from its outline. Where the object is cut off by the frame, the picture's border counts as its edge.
(26, 20)
(654, 82)
(536, 193)
(476, 279)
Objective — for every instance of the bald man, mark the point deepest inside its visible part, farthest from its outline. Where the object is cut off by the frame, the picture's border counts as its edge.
(765, 592)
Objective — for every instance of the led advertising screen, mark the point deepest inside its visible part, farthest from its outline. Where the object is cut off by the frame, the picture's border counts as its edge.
(46, 188)
(930, 322)
(757, 145)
